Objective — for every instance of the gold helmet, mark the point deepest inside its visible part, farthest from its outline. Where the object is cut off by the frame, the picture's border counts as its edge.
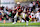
(18, 2)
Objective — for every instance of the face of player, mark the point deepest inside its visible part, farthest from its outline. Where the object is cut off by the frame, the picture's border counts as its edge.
(37, 11)
(7, 8)
(32, 11)
(18, 4)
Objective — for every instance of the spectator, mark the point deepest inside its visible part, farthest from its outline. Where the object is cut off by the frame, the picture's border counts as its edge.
(30, 5)
(0, 16)
(33, 5)
(38, 4)
(39, 10)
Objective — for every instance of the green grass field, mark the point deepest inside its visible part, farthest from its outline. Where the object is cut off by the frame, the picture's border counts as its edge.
(20, 25)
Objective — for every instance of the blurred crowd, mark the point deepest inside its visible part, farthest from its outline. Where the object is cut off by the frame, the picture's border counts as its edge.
(32, 11)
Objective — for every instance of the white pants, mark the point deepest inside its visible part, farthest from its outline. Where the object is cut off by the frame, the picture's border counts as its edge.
(39, 18)
(22, 16)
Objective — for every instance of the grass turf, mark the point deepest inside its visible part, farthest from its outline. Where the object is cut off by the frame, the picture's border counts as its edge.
(20, 24)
